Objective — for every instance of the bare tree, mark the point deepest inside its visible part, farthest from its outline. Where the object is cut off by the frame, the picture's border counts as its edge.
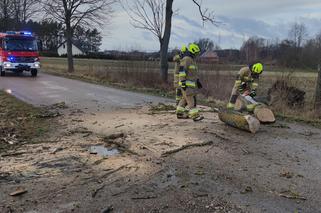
(251, 49)
(156, 16)
(73, 13)
(207, 15)
(5, 13)
(5, 6)
(25, 9)
(206, 44)
(15, 12)
(298, 33)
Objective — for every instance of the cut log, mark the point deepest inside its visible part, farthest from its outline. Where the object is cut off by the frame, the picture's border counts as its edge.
(261, 111)
(264, 114)
(239, 120)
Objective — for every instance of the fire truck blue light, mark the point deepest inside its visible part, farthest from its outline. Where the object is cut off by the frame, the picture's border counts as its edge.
(11, 59)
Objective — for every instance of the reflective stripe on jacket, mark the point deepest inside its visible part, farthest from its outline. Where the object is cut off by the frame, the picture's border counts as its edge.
(188, 72)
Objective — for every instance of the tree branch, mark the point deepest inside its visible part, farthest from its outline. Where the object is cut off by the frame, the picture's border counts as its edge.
(206, 14)
(147, 14)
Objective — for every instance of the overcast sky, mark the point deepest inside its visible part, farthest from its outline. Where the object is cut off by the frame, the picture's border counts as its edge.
(239, 20)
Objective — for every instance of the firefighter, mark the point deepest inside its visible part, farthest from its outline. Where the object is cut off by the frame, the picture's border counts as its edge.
(177, 59)
(246, 84)
(189, 83)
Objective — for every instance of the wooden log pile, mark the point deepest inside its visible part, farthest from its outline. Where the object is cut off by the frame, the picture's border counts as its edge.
(261, 111)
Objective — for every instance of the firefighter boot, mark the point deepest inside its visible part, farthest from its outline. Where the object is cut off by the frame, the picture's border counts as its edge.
(181, 113)
(194, 114)
(179, 95)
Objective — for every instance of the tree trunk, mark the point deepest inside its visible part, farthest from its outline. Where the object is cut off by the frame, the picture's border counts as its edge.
(318, 91)
(165, 41)
(5, 15)
(69, 48)
(239, 120)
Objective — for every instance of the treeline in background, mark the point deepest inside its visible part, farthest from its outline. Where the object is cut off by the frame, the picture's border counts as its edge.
(18, 15)
(299, 50)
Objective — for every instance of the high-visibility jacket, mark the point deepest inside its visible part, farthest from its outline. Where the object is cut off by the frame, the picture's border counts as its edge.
(188, 73)
(246, 80)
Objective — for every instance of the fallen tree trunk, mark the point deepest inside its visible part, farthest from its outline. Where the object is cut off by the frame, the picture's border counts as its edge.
(264, 114)
(239, 120)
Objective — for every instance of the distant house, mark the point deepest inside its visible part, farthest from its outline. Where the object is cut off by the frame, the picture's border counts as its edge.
(229, 55)
(209, 57)
(62, 49)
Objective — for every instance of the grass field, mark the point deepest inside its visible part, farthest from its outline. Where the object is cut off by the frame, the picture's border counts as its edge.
(218, 79)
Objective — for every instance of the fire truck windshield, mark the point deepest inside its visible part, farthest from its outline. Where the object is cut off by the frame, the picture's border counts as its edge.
(20, 44)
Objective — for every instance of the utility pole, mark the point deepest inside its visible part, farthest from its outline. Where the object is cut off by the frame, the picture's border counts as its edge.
(317, 103)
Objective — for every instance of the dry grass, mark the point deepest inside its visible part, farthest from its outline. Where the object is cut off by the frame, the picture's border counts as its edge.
(134, 75)
(20, 123)
(217, 80)
(297, 112)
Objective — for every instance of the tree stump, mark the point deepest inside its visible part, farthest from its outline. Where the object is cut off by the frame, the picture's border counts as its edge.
(239, 120)
(281, 94)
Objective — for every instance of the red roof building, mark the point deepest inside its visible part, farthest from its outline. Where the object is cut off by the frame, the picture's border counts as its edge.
(209, 57)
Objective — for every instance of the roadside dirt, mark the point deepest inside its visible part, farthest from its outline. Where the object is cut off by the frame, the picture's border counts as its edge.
(276, 170)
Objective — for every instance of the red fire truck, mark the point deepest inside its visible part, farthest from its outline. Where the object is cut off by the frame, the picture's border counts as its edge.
(18, 53)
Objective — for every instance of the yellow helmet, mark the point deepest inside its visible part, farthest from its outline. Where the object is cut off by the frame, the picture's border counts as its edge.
(194, 49)
(183, 49)
(257, 68)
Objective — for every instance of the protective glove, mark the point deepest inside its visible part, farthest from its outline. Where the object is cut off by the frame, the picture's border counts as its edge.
(199, 84)
(253, 93)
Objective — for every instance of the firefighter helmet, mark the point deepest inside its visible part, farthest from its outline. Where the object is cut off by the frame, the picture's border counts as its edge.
(257, 68)
(194, 49)
(183, 49)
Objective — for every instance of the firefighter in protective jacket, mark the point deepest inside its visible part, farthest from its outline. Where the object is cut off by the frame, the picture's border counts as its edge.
(177, 59)
(189, 83)
(245, 84)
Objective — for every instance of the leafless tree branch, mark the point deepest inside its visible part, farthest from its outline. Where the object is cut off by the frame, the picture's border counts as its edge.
(74, 13)
(155, 16)
(19, 10)
(79, 12)
(206, 14)
(147, 14)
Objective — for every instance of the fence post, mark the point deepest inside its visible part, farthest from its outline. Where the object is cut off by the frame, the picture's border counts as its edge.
(317, 103)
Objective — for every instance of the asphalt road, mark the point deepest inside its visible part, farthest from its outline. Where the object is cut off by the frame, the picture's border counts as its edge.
(47, 90)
